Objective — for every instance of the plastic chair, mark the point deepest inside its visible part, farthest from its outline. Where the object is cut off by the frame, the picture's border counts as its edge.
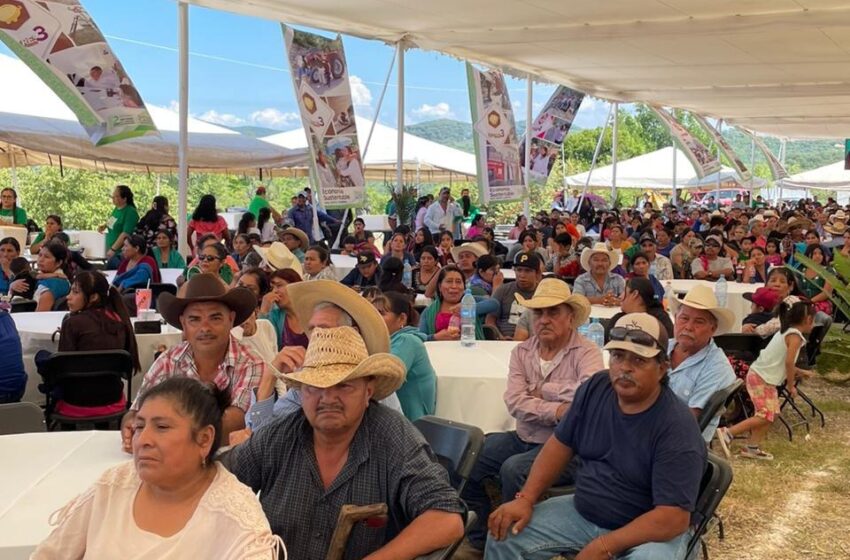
(741, 345)
(491, 332)
(94, 378)
(24, 306)
(157, 289)
(715, 482)
(21, 418)
(787, 401)
(456, 445)
(717, 403)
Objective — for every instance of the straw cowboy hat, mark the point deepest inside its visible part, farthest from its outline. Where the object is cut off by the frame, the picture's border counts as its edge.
(600, 248)
(207, 287)
(337, 355)
(626, 335)
(837, 223)
(702, 297)
(300, 235)
(278, 256)
(305, 296)
(471, 247)
(758, 218)
(554, 291)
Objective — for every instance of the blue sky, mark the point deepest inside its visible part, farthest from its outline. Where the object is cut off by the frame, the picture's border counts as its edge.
(238, 77)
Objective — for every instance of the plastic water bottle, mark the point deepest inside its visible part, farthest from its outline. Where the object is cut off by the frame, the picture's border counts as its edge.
(583, 329)
(669, 295)
(720, 290)
(467, 319)
(407, 275)
(596, 333)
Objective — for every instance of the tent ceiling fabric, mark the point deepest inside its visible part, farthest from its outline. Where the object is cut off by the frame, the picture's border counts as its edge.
(780, 67)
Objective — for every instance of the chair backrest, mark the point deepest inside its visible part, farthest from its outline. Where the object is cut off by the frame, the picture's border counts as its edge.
(61, 304)
(717, 403)
(92, 378)
(491, 332)
(715, 482)
(456, 445)
(21, 418)
(157, 289)
(741, 344)
(24, 306)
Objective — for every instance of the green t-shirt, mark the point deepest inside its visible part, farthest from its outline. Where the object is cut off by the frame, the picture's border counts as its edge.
(20, 216)
(123, 220)
(256, 203)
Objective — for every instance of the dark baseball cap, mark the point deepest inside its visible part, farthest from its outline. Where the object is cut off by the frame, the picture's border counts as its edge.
(366, 257)
(529, 260)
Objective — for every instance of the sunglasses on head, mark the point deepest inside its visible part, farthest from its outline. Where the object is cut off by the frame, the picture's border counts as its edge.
(636, 336)
(208, 258)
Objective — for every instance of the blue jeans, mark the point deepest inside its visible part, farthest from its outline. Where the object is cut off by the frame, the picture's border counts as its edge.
(509, 458)
(557, 527)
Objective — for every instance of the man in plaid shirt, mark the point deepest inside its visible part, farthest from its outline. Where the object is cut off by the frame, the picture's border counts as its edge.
(206, 314)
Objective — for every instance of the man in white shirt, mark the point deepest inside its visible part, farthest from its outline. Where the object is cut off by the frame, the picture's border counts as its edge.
(441, 215)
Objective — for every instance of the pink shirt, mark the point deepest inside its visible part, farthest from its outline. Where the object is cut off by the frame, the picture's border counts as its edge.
(535, 416)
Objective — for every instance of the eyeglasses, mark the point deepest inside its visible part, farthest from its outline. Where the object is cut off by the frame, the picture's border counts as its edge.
(208, 258)
(636, 336)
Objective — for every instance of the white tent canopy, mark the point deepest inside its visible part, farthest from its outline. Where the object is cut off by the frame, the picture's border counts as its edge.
(429, 160)
(829, 177)
(654, 171)
(776, 66)
(39, 127)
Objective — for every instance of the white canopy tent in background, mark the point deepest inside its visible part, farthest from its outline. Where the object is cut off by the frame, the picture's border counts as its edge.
(424, 161)
(37, 127)
(654, 171)
(831, 177)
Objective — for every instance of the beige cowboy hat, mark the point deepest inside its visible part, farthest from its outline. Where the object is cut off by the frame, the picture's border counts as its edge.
(337, 355)
(470, 247)
(770, 214)
(837, 227)
(758, 218)
(305, 296)
(554, 291)
(630, 339)
(702, 297)
(278, 256)
(206, 287)
(600, 248)
(297, 233)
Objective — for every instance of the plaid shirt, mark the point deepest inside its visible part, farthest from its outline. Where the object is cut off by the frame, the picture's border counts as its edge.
(586, 285)
(388, 462)
(240, 371)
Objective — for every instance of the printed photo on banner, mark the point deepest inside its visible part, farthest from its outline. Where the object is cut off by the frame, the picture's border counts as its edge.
(777, 170)
(320, 79)
(703, 160)
(549, 130)
(543, 156)
(727, 149)
(61, 43)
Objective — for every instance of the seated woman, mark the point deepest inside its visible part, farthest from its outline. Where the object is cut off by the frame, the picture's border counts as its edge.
(10, 249)
(137, 269)
(418, 394)
(476, 227)
(640, 297)
(242, 247)
(755, 270)
(98, 320)
(277, 308)
(317, 264)
(173, 500)
(349, 246)
(421, 239)
(212, 259)
(396, 248)
(155, 220)
(441, 319)
(487, 277)
(429, 267)
(783, 283)
(639, 266)
(52, 283)
(163, 252)
(445, 248)
(814, 286)
(52, 226)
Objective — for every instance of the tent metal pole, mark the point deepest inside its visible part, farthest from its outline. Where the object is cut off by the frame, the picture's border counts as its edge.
(399, 172)
(752, 165)
(782, 147)
(14, 166)
(675, 154)
(717, 195)
(529, 93)
(183, 145)
(614, 135)
(595, 157)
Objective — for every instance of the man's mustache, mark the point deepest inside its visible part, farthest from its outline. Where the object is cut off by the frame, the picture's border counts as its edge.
(625, 377)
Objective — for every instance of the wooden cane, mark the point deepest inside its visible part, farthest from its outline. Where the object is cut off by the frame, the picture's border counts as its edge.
(349, 515)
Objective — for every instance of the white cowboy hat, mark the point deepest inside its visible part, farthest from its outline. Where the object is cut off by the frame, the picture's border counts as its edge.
(298, 234)
(473, 247)
(278, 256)
(554, 291)
(305, 296)
(770, 214)
(600, 248)
(839, 215)
(339, 354)
(702, 297)
(757, 218)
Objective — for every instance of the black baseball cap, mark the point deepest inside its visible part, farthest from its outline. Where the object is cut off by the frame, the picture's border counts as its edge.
(529, 260)
(366, 257)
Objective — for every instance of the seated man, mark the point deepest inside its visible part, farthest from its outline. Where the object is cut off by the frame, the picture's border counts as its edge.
(206, 314)
(528, 268)
(698, 367)
(599, 284)
(341, 448)
(366, 273)
(633, 502)
(543, 375)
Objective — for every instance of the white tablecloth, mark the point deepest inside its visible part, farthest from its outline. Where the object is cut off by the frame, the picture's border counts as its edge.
(734, 296)
(36, 330)
(343, 265)
(471, 382)
(93, 244)
(40, 473)
(169, 275)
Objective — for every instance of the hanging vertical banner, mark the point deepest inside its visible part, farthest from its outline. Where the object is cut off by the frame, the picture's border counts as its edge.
(727, 149)
(777, 170)
(500, 177)
(320, 78)
(549, 130)
(704, 162)
(60, 42)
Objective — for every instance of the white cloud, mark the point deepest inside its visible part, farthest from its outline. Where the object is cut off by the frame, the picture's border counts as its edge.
(441, 110)
(274, 118)
(361, 95)
(225, 119)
